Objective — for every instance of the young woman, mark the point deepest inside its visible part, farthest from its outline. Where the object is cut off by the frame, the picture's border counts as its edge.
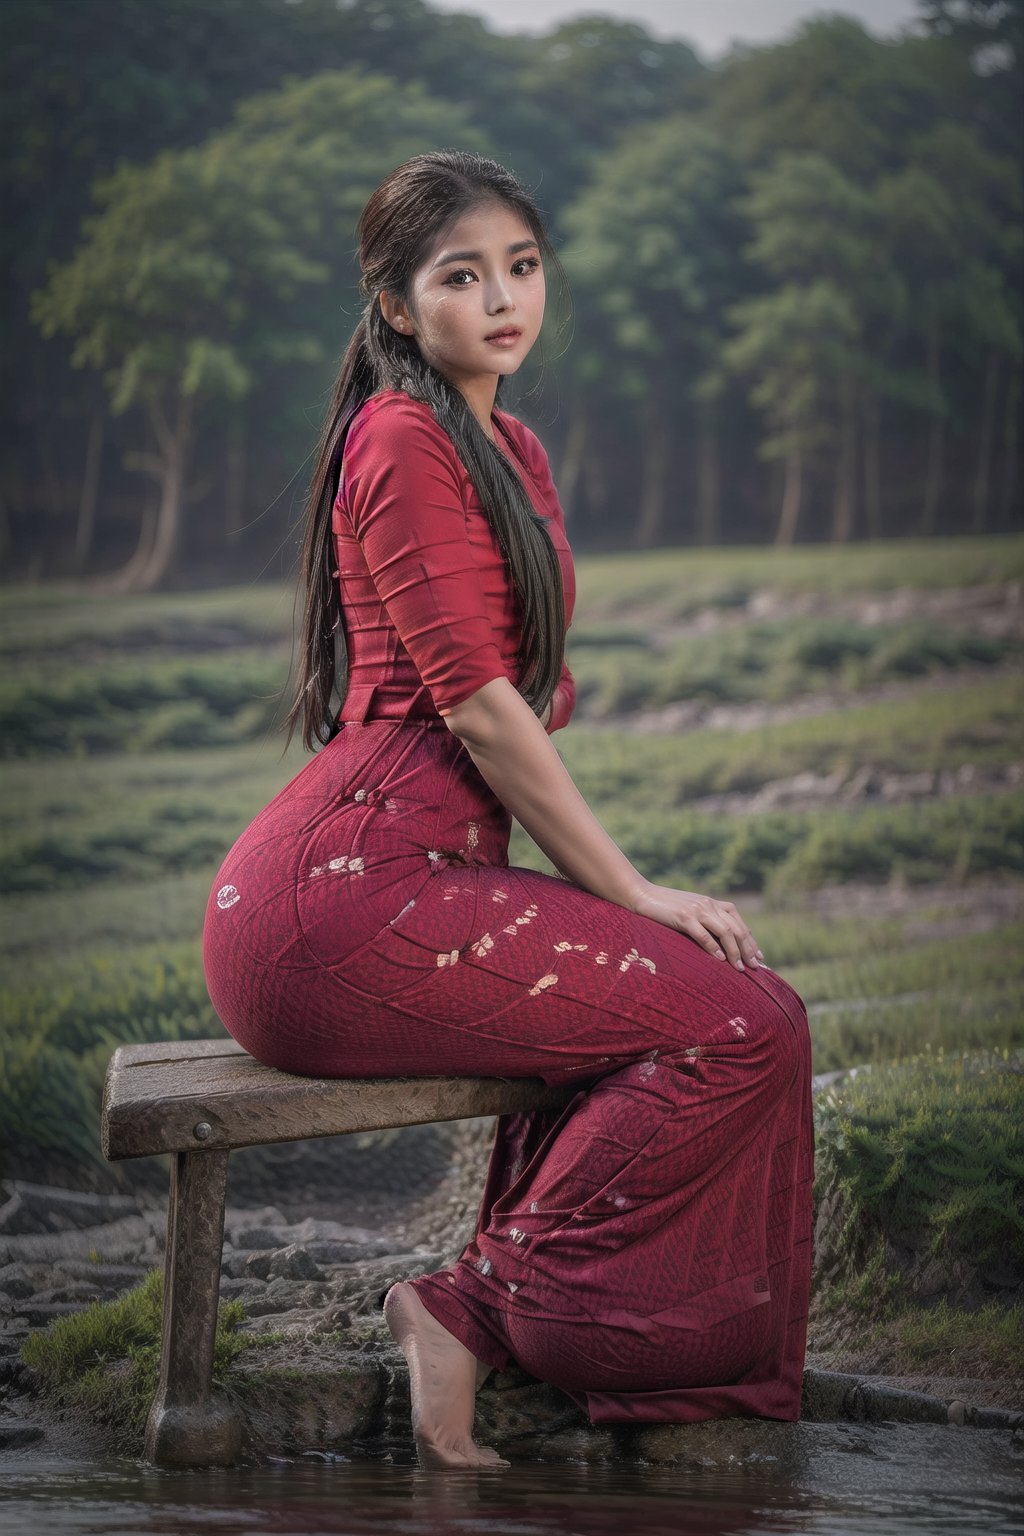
(647, 1250)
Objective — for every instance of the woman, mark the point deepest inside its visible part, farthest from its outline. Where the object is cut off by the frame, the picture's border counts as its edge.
(647, 1249)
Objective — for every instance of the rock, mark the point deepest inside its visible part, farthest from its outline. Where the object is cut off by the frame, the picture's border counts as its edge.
(290, 1411)
(128, 1238)
(245, 1291)
(12, 1372)
(38, 1208)
(15, 1281)
(40, 1313)
(331, 1251)
(256, 1266)
(109, 1277)
(15, 1432)
(284, 1296)
(259, 1237)
(293, 1263)
(334, 1320)
(233, 1265)
(78, 1290)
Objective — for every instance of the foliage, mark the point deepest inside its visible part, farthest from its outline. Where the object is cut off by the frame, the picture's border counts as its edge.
(105, 1360)
(796, 271)
(57, 1036)
(930, 1155)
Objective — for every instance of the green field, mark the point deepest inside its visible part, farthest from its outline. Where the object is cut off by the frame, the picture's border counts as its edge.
(832, 737)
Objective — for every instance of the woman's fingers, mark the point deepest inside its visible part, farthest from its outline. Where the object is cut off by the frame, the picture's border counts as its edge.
(715, 925)
(695, 929)
(718, 922)
(735, 940)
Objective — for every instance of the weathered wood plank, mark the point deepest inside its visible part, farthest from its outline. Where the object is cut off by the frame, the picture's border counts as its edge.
(174, 1050)
(188, 1099)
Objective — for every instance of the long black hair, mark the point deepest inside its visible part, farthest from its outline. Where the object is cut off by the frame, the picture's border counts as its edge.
(403, 219)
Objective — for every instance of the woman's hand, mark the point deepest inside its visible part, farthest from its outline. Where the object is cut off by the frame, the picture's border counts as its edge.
(499, 731)
(715, 925)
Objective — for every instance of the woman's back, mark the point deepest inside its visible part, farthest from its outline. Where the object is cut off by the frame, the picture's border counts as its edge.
(429, 612)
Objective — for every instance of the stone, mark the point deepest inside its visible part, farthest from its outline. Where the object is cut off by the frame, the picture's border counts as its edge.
(334, 1320)
(128, 1238)
(78, 1290)
(331, 1251)
(121, 1276)
(39, 1314)
(259, 1237)
(15, 1432)
(38, 1208)
(15, 1281)
(234, 1265)
(293, 1263)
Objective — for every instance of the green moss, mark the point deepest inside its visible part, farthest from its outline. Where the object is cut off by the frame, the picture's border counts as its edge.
(105, 1360)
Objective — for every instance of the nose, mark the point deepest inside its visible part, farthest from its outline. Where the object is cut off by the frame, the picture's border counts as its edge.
(499, 298)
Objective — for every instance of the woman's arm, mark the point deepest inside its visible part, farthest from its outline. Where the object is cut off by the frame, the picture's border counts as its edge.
(510, 747)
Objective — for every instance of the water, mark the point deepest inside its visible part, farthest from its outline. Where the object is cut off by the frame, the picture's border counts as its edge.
(836, 1490)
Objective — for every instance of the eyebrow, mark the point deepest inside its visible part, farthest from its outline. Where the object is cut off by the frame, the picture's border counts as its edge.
(450, 256)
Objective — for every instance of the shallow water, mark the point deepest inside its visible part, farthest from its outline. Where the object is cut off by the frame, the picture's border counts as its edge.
(305, 1497)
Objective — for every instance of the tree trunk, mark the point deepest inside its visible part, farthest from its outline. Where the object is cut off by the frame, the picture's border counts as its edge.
(983, 475)
(127, 578)
(1011, 449)
(872, 466)
(89, 496)
(708, 480)
(573, 457)
(844, 505)
(656, 444)
(174, 442)
(234, 477)
(936, 443)
(792, 487)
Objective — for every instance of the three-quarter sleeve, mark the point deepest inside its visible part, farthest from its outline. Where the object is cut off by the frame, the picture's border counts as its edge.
(404, 496)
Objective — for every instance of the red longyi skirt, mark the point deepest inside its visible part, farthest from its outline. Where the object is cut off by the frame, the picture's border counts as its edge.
(648, 1248)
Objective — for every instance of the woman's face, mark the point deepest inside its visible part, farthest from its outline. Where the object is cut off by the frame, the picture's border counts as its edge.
(476, 303)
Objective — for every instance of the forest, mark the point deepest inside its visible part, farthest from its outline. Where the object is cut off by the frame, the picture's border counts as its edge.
(796, 308)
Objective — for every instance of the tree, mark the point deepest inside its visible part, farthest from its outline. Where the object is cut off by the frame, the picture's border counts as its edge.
(814, 235)
(195, 277)
(653, 255)
(951, 219)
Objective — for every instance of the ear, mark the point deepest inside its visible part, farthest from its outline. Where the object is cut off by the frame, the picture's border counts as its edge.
(396, 313)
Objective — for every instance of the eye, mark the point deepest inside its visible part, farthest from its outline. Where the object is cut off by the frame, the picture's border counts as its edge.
(525, 265)
(454, 279)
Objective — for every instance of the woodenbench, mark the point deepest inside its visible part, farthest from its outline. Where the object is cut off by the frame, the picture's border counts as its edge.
(196, 1100)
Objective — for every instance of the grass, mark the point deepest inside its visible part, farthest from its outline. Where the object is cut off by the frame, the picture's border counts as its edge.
(770, 663)
(141, 741)
(976, 723)
(104, 1361)
(928, 1155)
(676, 583)
(920, 1229)
(140, 701)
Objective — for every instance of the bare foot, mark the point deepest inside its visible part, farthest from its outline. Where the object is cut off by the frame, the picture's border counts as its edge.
(443, 1377)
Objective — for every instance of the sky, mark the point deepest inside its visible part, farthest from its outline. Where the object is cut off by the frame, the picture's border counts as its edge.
(709, 25)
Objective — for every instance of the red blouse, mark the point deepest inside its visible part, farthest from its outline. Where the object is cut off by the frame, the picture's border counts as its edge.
(429, 611)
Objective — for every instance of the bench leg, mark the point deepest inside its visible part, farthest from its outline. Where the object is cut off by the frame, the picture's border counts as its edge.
(187, 1427)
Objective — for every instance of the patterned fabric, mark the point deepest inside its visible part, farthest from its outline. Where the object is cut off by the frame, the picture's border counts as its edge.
(648, 1248)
